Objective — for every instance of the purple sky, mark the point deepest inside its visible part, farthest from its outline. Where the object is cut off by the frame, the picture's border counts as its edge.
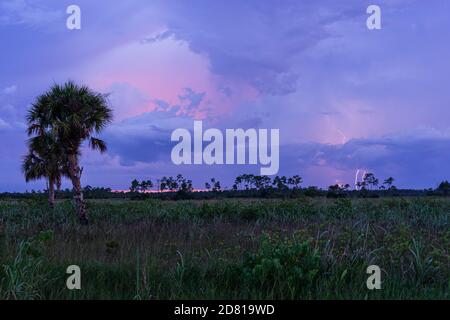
(344, 97)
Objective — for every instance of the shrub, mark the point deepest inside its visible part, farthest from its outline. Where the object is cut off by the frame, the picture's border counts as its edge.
(250, 213)
(281, 268)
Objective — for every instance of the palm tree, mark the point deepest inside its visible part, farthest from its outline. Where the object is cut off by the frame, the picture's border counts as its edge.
(370, 180)
(73, 114)
(44, 160)
(389, 183)
(295, 182)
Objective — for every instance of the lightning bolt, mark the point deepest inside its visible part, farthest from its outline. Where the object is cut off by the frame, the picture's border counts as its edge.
(344, 138)
(356, 179)
(364, 172)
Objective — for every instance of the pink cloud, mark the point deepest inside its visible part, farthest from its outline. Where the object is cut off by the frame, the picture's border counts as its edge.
(162, 70)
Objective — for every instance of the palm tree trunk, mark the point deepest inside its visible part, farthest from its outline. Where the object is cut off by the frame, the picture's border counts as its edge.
(75, 177)
(51, 193)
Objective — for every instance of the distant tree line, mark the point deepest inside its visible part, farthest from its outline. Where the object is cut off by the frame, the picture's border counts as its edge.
(245, 185)
(365, 188)
(250, 185)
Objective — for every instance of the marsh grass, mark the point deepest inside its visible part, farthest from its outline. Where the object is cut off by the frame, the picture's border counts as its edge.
(227, 249)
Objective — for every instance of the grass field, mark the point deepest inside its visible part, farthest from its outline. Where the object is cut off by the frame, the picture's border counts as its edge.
(225, 249)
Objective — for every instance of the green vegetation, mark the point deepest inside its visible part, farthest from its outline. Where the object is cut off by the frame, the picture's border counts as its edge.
(262, 239)
(302, 248)
(59, 121)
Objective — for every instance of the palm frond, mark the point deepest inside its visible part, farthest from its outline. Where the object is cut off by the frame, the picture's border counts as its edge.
(97, 144)
(33, 167)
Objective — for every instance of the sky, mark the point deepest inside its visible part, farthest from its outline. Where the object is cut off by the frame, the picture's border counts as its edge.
(345, 98)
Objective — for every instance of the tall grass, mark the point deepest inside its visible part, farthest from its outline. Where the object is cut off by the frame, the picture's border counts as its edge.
(250, 249)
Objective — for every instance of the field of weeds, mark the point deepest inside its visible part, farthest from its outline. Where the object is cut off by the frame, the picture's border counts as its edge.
(227, 249)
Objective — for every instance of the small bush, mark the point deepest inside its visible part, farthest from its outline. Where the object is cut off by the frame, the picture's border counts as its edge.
(281, 268)
(249, 213)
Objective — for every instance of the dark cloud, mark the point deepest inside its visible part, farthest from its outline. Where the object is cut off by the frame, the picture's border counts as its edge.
(259, 41)
(191, 100)
(145, 138)
(418, 158)
(158, 37)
